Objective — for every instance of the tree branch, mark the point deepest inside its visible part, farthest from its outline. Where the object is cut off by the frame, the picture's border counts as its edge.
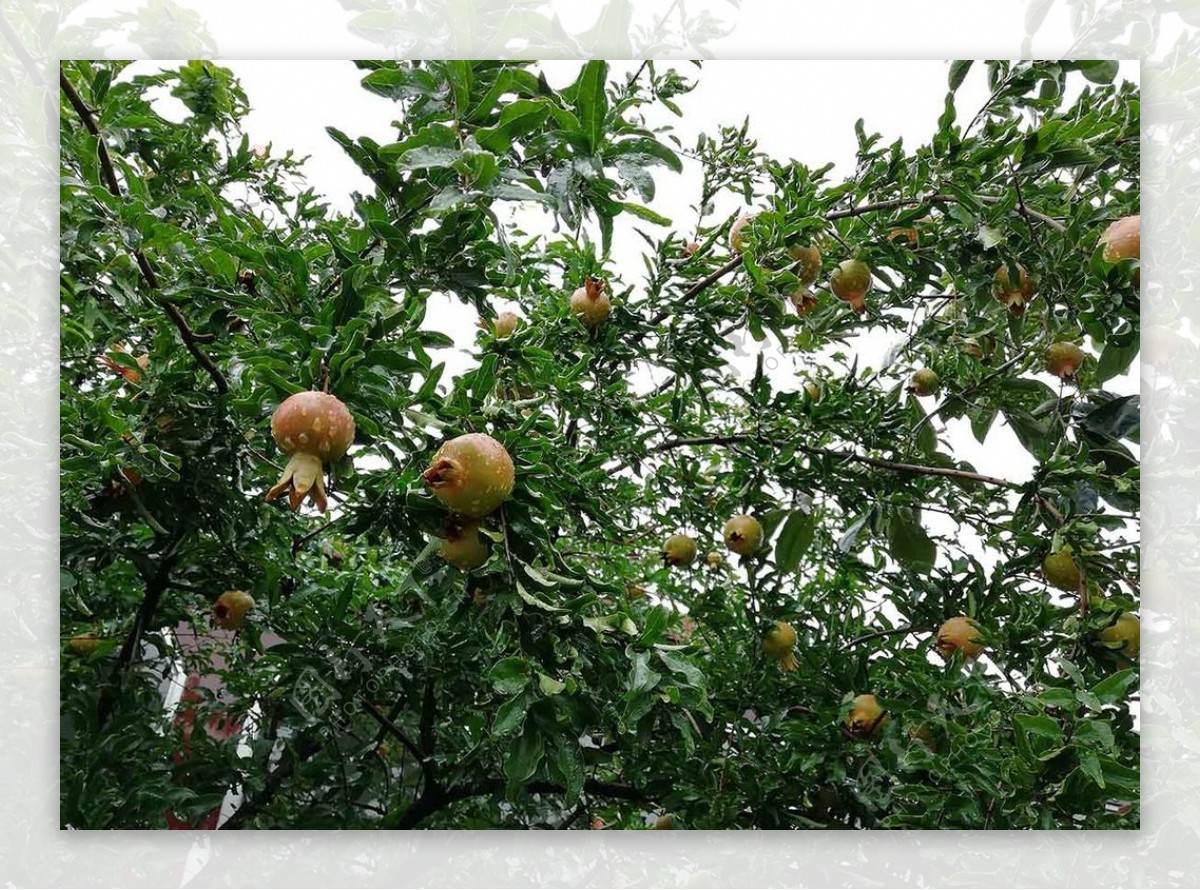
(425, 762)
(907, 628)
(191, 339)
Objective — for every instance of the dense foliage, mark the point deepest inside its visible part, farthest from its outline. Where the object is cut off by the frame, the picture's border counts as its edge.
(575, 679)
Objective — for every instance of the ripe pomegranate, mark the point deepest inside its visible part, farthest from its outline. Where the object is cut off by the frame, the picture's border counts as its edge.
(504, 325)
(471, 475)
(959, 634)
(1123, 635)
(743, 535)
(778, 643)
(591, 302)
(850, 282)
(808, 262)
(1013, 298)
(924, 383)
(229, 611)
(691, 248)
(1061, 571)
(1063, 359)
(737, 240)
(1122, 240)
(463, 546)
(866, 717)
(804, 300)
(84, 645)
(679, 550)
(312, 427)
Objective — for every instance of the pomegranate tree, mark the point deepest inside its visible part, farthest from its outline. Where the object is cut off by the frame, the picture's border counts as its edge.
(311, 427)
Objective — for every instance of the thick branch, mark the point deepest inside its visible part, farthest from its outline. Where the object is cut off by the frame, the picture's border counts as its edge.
(191, 339)
(907, 628)
(425, 762)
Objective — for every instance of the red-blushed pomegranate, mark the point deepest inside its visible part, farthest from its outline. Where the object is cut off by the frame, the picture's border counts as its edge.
(850, 282)
(1013, 297)
(804, 301)
(924, 382)
(229, 611)
(312, 427)
(679, 550)
(1063, 359)
(959, 634)
(807, 262)
(1122, 240)
(590, 303)
(778, 643)
(743, 535)
(866, 717)
(691, 248)
(471, 475)
(504, 325)
(463, 546)
(737, 238)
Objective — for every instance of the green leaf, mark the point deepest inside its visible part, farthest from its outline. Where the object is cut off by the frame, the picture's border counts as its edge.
(1115, 687)
(510, 716)
(679, 665)
(510, 675)
(548, 685)
(1102, 71)
(958, 72)
(524, 754)
(795, 538)
(518, 119)
(908, 541)
(1115, 359)
(568, 765)
(591, 103)
(645, 213)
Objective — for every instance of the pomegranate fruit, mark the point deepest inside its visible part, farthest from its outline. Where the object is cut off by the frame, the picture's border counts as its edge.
(1013, 297)
(691, 248)
(971, 347)
(778, 643)
(131, 375)
(803, 300)
(471, 475)
(850, 282)
(504, 325)
(591, 303)
(807, 262)
(924, 383)
(923, 735)
(813, 392)
(1063, 359)
(1061, 571)
(84, 645)
(737, 240)
(463, 546)
(665, 822)
(959, 634)
(743, 535)
(866, 717)
(679, 550)
(229, 611)
(1123, 635)
(311, 427)
(714, 560)
(1122, 240)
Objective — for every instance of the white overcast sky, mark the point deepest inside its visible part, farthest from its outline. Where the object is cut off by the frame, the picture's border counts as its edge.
(804, 110)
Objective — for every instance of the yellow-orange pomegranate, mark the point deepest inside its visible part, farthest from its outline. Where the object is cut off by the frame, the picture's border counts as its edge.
(866, 717)
(311, 427)
(471, 475)
(778, 644)
(229, 611)
(959, 634)
(590, 303)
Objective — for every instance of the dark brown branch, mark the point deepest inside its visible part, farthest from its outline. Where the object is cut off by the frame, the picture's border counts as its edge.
(425, 762)
(907, 628)
(191, 340)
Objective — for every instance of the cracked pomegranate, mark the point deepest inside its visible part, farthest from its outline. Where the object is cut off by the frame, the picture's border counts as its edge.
(1013, 297)
(471, 474)
(311, 427)
(778, 643)
(229, 611)
(850, 282)
(743, 535)
(591, 303)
